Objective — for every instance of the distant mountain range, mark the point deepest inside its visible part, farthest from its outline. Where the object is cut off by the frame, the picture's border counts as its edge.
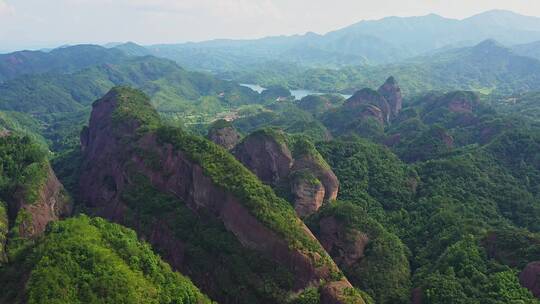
(383, 41)
(374, 42)
(62, 59)
(486, 67)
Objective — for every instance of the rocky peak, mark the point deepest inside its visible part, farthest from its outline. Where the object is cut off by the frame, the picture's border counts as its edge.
(307, 158)
(304, 171)
(266, 154)
(391, 91)
(224, 134)
(369, 97)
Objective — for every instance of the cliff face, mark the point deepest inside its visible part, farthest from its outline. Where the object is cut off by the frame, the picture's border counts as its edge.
(354, 241)
(118, 152)
(266, 156)
(51, 204)
(310, 180)
(348, 245)
(308, 194)
(314, 164)
(392, 93)
(224, 135)
(378, 106)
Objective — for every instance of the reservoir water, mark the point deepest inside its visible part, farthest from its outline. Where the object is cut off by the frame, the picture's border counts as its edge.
(298, 94)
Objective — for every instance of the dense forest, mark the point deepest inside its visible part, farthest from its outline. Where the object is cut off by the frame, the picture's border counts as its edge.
(127, 178)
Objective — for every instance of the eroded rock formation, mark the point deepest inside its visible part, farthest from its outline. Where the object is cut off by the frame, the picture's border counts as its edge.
(117, 153)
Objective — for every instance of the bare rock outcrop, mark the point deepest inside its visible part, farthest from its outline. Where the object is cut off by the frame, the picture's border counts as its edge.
(375, 104)
(266, 154)
(309, 178)
(308, 193)
(530, 278)
(51, 204)
(391, 91)
(315, 164)
(332, 293)
(224, 134)
(347, 247)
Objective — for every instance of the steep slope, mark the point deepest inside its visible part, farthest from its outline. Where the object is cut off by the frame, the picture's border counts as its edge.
(30, 193)
(373, 258)
(223, 133)
(84, 260)
(207, 214)
(292, 166)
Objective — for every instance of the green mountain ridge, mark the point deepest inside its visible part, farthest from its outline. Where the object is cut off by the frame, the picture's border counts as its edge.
(486, 67)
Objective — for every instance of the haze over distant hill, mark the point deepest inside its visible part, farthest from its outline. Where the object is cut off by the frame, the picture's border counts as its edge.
(487, 67)
(63, 59)
(387, 40)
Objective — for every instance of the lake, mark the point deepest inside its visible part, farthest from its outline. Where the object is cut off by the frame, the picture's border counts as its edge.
(298, 94)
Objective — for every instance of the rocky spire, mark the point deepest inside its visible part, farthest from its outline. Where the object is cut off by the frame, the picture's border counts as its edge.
(391, 91)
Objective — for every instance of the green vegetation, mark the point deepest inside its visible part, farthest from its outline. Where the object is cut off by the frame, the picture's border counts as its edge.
(239, 274)
(450, 204)
(132, 105)
(309, 295)
(23, 168)
(383, 272)
(84, 260)
(260, 200)
(59, 103)
(285, 116)
(23, 124)
(62, 60)
(220, 124)
(486, 68)
(318, 104)
(369, 173)
(174, 91)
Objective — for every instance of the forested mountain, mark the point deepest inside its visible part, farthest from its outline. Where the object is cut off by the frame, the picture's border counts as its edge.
(449, 178)
(486, 67)
(54, 100)
(529, 49)
(63, 60)
(127, 178)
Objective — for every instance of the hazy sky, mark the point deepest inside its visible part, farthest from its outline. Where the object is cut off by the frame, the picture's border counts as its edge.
(45, 23)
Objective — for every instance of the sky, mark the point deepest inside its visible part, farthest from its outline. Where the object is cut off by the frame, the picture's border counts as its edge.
(34, 24)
